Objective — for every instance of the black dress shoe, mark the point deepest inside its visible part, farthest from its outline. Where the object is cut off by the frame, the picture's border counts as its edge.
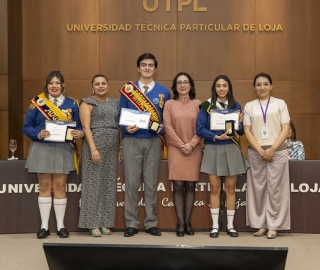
(63, 233)
(43, 233)
(232, 232)
(180, 230)
(130, 231)
(154, 231)
(188, 229)
(214, 233)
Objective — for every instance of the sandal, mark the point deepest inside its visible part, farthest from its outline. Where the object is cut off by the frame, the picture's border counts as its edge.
(95, 232)
(272, 235)
(105, 231)
(261, 232)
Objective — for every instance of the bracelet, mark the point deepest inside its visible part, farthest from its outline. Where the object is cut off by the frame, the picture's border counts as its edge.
(120, 146)
(93, 150)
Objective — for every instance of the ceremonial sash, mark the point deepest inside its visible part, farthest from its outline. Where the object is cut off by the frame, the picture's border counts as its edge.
(142, 103)
(52, 112)
(206, 105)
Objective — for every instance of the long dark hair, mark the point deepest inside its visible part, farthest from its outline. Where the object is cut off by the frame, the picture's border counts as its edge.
(214, 96)
(293, 131)
(51, 75)
(192, 92)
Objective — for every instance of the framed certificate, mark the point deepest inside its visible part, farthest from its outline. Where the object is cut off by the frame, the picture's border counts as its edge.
(59, 130)
(130, 117)
(219, 119)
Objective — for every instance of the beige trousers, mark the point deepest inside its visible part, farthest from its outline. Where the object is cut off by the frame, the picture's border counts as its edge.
(268, 191)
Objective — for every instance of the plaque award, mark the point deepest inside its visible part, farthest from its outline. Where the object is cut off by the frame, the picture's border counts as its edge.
(154, 127)
(69, 137)
(229, 127)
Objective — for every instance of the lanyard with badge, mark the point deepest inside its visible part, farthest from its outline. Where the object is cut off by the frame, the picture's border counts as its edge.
(264, 130)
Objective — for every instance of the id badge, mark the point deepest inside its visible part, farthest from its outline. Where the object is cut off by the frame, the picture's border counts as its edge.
(264, 133)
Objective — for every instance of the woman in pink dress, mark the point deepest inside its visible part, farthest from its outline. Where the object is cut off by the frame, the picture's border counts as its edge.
(184, 150)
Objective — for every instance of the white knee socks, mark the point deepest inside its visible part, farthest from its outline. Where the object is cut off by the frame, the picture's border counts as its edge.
(60, 209)
(215, 217)
(230, 217)
(45, 208)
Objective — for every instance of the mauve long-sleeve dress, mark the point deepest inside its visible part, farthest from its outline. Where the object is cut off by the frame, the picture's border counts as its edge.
(180, 125)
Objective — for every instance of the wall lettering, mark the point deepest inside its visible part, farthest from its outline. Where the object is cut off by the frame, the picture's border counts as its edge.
(182, 27)
(153, 5)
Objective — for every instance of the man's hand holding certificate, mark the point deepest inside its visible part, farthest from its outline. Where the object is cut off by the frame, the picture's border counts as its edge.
(219, 119)
(130, 117)
(60, 131)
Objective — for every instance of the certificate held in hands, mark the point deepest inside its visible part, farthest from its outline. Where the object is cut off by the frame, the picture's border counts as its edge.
(60, 131)
(130, 117)
(227, 120)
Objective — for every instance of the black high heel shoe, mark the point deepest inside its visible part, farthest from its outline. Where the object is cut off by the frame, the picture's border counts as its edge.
(188, 229)
(180, 230)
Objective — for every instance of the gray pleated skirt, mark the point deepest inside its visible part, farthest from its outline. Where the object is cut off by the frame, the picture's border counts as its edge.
(50, 158)
(223, 160)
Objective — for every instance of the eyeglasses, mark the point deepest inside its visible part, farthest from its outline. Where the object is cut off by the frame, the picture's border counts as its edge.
(185, 83)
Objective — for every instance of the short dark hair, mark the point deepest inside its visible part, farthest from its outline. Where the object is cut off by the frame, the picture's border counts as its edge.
(50, 76)
(192, 93)
(98, 76)
(262, 75)
(147, 56)
(214, 96)
(293, 131)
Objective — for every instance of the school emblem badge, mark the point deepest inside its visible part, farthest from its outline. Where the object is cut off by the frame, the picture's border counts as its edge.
(128, 88)
(40, 102)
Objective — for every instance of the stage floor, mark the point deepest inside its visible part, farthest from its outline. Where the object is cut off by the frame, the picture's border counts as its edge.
(25, 252)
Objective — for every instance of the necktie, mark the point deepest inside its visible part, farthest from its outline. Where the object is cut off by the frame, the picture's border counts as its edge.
(55, 101)
(145, 89)
(222, 105)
